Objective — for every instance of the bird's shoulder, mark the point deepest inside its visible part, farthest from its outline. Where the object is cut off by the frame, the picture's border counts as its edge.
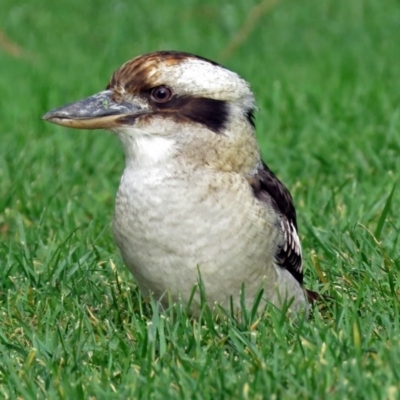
(268, 189)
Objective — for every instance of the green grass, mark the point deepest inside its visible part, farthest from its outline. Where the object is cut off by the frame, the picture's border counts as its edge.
(72, 324)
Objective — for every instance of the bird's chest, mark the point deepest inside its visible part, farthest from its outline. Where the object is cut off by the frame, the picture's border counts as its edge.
(159, 210)
(168, 224)
(171, 213)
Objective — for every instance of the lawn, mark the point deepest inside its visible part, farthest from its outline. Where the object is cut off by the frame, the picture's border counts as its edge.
(326, 74)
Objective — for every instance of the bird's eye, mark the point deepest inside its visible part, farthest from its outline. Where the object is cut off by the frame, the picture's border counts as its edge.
(161, 94)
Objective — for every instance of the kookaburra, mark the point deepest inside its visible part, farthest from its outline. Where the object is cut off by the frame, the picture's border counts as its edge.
(195, 198)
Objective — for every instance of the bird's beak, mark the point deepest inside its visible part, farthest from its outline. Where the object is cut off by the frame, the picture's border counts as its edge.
(99, 111)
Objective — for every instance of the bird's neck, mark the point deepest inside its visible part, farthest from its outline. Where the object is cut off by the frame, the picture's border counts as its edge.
(193, 149)
(145, 151)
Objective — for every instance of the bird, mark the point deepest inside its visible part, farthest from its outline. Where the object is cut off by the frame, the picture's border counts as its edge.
(195, 200)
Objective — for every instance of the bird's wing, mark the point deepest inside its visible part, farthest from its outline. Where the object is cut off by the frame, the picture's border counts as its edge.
(269, 189)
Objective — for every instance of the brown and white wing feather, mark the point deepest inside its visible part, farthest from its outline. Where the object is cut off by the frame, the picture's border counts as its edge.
(269, 189)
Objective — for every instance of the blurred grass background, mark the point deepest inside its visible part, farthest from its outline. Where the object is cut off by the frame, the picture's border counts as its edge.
(326, 77)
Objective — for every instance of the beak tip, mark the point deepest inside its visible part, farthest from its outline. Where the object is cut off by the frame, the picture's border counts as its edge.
(50, 116)
(55, 117)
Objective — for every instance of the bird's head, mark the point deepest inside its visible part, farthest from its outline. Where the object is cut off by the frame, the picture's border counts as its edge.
(167, 104)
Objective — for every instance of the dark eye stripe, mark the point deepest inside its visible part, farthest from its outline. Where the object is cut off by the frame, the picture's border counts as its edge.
(209, 112)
